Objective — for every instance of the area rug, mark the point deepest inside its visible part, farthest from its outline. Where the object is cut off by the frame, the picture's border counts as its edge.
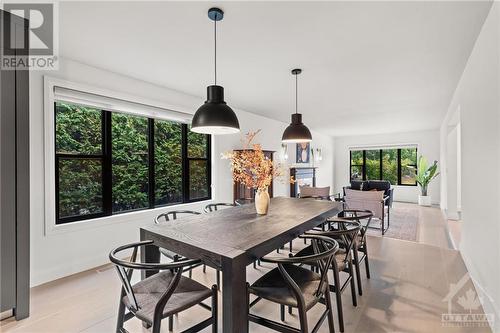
(403, 223)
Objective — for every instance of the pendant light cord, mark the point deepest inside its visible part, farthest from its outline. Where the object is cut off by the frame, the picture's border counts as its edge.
(296, 93)
(215, 51)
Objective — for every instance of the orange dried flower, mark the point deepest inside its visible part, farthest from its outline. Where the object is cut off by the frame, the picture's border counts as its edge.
(251, 167)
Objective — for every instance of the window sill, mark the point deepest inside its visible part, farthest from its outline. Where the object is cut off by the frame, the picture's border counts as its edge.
(129, 217)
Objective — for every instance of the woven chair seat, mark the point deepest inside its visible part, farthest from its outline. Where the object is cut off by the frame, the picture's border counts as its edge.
(273, 287)
(149, 291)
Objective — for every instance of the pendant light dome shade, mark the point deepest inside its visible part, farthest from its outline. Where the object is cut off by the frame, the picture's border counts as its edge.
(296, 131)
(215, 116)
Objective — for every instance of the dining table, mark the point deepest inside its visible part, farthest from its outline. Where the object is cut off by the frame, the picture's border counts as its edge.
(231, 239)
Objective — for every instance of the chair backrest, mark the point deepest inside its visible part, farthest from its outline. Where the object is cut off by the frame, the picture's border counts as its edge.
(324, 249)
(241, 202)
(172, 215)
(213, 207)
(356, 215)
(346, 232)
(314, 192)
(125, 269)
(366, 200)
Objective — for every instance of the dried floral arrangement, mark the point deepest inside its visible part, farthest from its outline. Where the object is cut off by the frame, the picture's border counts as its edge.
(251, 167)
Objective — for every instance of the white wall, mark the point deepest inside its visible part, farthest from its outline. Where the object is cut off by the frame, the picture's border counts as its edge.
(428, 145)
(477, 100)
(81, 247)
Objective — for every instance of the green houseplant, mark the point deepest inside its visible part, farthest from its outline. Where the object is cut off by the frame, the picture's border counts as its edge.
(425, 175)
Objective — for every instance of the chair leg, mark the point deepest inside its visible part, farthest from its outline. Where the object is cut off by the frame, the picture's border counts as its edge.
(218, 279)
(303, 320)
(358, 272)
(338, 296)
(121, 317)
(171, 323)
(282, 312)
(156, 323)
(214, 309)
(204, 268)
(353, 287)
(190, 274)
(383, 222)
(329, 306)
(291, 246)
(255, 264)
(290, 310)
(367, 264)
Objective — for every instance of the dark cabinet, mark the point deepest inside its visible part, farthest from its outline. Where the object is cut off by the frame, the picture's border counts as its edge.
(242, 192)
(14, 177)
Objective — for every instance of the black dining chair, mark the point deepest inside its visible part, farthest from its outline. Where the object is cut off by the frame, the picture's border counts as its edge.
(295, 286)
(215, 206)
(364, 217)
(161, 295)
(311, 195)
(241, 202)
(343, 262)
(172, 215)
(168, 217)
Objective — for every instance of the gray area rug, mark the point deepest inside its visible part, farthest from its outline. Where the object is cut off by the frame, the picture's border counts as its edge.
(403, 223)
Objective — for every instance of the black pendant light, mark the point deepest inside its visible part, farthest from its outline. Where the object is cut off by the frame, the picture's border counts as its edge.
(296, 131)
(215, 117)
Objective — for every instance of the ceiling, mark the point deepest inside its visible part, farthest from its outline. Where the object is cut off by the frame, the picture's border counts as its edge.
(368, 67)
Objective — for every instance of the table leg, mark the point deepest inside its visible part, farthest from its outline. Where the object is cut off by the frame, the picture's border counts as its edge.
(150, 254)
(234, 297)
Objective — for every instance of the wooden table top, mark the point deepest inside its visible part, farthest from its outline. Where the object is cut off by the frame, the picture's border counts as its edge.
(234, 231)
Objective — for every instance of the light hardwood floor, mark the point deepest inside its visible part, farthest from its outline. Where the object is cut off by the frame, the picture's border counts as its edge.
(405, 294)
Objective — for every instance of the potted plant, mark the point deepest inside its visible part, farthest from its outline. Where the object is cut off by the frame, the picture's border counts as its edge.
(425, 175)
(253, 169)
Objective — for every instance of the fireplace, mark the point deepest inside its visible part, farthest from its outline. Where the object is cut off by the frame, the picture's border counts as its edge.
(302, 176)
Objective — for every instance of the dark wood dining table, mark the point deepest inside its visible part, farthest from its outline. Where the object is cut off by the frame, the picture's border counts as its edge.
(232, 238)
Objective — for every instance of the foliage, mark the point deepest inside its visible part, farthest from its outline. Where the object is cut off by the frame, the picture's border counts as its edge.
(426, 174)
(78, 131)
(251, 167)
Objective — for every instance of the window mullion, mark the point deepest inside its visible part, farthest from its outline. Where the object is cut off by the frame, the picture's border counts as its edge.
(151, 162)
(399, 167)
(364, 164)
(209, 165)
(185, 164)
(107, 170)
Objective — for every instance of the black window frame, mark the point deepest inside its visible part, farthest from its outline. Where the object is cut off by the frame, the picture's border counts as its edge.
(106, 158)
(399, 166)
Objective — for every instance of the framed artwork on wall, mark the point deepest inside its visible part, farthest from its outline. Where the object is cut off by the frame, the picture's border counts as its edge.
(303, 153)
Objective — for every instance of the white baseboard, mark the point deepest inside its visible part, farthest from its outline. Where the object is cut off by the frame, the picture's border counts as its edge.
(488, 303)
(48, 275)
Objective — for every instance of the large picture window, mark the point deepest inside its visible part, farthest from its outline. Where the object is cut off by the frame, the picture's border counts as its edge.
(109, 162)
(397, 165)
